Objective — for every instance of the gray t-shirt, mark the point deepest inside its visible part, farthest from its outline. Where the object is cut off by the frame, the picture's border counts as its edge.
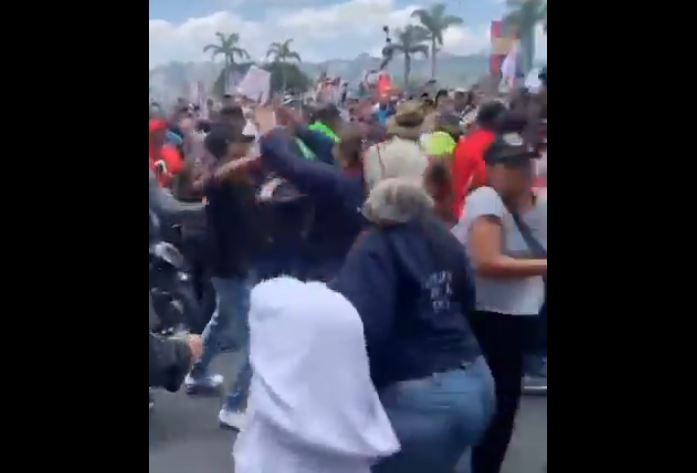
(522, 296)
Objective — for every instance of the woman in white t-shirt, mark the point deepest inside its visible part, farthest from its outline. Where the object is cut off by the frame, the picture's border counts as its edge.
(504, 228)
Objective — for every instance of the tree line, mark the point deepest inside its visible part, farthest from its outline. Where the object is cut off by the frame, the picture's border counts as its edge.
(425, 38)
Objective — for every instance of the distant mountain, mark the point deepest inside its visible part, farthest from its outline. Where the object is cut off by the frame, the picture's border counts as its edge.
(173, 80)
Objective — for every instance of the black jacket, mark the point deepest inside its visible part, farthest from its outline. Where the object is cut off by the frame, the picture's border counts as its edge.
(234, 233)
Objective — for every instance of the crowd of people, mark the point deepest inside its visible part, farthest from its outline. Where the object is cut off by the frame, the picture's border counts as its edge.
(379, 264)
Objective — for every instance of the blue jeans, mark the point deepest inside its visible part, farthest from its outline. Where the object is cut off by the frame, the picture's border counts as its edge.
(437, 418)
(228, 329)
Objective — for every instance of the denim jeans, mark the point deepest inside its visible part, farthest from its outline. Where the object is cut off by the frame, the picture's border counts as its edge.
(228, 329)
(437, 418)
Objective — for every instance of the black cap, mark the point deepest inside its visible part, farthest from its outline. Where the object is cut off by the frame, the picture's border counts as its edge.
(509, 148)
(222, 135)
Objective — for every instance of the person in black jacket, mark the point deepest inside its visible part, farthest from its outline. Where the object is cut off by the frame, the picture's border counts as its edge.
(234, 238)
(410, 282)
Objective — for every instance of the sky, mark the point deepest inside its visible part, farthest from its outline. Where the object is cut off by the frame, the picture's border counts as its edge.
(321, 29)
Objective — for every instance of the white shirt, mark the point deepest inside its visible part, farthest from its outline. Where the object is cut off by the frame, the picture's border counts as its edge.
(312, 406)
(519, 296)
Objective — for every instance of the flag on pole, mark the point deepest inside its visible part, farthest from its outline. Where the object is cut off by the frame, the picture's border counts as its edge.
(510, 68)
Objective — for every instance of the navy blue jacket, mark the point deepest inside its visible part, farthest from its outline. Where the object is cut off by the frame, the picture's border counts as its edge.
(337, 198)
(414, 290)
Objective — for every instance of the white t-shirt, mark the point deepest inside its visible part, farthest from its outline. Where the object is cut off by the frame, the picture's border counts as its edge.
(522, 296)
(312, 405)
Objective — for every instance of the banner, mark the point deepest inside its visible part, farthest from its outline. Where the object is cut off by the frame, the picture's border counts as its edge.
(232, 81)
(256, 85)
(501, 45)
(328, 90)
(497, 53)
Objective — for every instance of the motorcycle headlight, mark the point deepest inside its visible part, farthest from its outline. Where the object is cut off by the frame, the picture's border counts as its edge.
(183, 277)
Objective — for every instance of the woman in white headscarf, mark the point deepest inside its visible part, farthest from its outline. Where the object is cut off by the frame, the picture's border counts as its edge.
(313, 407)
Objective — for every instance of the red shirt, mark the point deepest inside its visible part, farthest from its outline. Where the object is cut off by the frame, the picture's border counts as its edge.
(173, 164)
(469, 170)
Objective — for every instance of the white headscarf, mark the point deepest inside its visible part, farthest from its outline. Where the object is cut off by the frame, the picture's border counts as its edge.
(312, 407)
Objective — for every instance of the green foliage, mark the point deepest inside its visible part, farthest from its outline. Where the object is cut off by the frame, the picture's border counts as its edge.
(435, 21)
(227, 48)
(281, 52)
(282, 55)
(410, 42)
(295, 79)
(524, 15)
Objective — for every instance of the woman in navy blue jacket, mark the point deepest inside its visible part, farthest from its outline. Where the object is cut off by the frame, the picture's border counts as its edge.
(335, 190)
(410, 281)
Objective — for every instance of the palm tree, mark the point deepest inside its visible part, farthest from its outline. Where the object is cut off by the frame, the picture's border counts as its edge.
(525, 15)
(228, 48)
(410, 41)
(435, 22)
(282, 53)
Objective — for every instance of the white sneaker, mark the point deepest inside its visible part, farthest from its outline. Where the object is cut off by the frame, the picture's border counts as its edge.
(232, 419)
(206, 385)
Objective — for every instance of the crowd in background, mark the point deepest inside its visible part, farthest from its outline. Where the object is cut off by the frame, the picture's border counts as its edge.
(380, 265)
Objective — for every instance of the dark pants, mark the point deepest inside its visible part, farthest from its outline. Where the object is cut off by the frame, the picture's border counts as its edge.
(504, 340)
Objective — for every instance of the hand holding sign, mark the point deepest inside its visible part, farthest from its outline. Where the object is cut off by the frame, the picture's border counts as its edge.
(266, 118)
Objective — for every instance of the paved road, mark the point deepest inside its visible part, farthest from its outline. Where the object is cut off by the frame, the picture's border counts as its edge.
(185, 437)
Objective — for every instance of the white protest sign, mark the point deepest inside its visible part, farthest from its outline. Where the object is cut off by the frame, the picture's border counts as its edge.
(256, 85)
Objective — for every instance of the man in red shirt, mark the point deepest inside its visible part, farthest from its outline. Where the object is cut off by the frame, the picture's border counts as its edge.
(469, 170)
(165, 161)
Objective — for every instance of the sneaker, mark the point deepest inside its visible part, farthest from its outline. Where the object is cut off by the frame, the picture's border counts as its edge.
(534, 385)
(230, 419)
(206, 385)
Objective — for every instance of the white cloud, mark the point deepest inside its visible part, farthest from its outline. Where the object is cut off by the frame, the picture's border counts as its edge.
(462, 40)
(341, 30)
(364, 18)
(185, 42)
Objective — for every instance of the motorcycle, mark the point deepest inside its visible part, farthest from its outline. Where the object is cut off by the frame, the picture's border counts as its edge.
(171, 288)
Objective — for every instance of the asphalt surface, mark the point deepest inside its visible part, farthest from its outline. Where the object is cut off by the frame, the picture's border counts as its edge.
(185, 437)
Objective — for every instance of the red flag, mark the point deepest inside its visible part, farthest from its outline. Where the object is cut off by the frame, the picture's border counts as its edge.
(384, 86)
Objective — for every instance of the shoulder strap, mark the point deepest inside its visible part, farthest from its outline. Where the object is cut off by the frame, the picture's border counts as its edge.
(307, 153)
(382, 164)
(537, 250)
